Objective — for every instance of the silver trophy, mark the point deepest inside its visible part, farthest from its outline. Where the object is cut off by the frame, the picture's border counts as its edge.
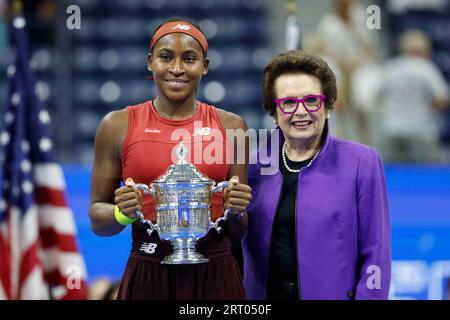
(183, 208)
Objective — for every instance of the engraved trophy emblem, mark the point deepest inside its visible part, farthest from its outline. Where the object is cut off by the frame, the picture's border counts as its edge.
(183, 208)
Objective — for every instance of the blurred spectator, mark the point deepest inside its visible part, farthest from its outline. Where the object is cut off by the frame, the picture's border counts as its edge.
(411, 97)
(103, 289)
(347, 38)
(363, 94)
(314, 43)
(352, 45)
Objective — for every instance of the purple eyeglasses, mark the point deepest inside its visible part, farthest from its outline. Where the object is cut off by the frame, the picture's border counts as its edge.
(311, 103)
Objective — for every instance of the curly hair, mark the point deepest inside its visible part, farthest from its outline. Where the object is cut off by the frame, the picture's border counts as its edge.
(297, 61)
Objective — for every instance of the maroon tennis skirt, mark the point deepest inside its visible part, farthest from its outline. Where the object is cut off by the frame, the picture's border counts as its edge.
(146, 278)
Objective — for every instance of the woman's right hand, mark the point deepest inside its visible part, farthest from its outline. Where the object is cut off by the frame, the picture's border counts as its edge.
(129, 199)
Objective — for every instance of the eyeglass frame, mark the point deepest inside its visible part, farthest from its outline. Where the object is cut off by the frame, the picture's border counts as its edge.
(322, 98)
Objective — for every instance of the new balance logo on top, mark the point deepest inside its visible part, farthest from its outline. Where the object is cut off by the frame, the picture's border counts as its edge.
(202, 131)
(152, 130)
(181, 27)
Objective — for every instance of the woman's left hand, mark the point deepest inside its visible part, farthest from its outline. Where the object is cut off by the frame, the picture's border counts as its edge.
(237, 196)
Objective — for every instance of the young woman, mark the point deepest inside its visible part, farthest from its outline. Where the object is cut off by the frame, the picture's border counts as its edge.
(135, 145)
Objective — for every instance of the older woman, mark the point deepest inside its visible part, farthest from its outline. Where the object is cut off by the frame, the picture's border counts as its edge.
(318, 228)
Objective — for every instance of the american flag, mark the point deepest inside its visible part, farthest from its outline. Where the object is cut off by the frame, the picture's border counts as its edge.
(39, 257)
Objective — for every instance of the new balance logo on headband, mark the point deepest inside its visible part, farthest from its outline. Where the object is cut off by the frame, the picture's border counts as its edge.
(181, 27)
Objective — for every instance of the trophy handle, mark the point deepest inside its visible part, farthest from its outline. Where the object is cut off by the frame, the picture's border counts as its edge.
(220, 186)
(146, 189)
(215, 224)
(150, 191)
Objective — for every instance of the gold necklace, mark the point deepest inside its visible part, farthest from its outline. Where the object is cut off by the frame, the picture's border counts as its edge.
(165, 115)
(283, 155)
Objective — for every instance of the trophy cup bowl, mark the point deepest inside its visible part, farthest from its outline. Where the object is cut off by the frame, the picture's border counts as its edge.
(183, 208)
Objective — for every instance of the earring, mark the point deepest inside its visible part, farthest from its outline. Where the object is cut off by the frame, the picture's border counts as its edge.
(275, 122)
(328, 115)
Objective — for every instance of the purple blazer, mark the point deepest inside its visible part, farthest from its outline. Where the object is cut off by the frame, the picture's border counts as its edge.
(342, 224)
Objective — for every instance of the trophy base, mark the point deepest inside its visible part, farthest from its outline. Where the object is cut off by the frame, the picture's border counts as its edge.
(184, 253)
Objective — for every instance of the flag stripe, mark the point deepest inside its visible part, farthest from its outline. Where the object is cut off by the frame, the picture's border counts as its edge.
(28, 232)
(34, 287)
(45, 195)
(50, 236)
(74, 293)
(3, 295)
(64, 262)
(58, 218)
(5, 280)
(30, 261)
(14, 221)
(42, 172)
